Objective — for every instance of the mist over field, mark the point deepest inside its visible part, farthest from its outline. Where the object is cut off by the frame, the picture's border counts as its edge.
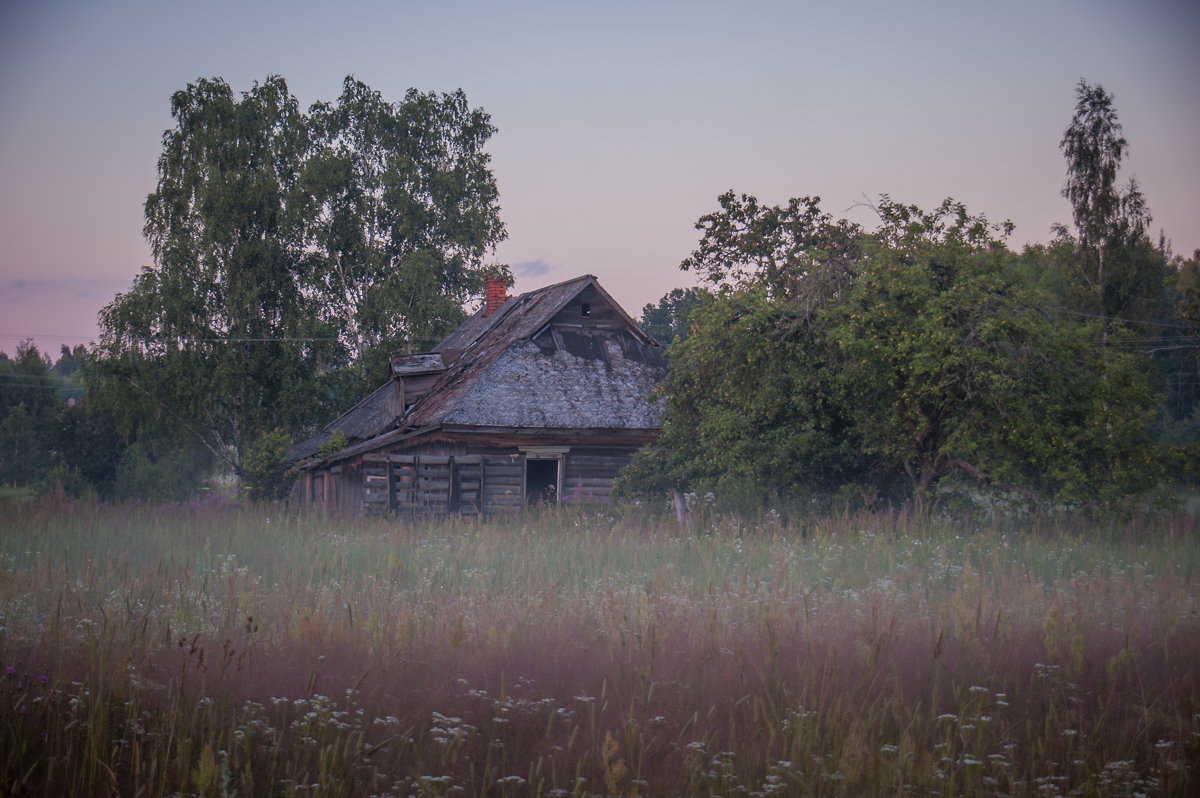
(208, 649)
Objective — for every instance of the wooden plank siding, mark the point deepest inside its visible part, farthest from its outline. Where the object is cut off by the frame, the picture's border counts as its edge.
(588, 476)
(455, 479)
(504, 484)
(423, 485)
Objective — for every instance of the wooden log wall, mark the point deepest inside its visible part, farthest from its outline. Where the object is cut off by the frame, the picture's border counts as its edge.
(452, 480)
(588, 476)
(503, 484)
(422, 485)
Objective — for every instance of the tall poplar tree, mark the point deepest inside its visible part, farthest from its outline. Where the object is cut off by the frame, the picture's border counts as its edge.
(1109, 220)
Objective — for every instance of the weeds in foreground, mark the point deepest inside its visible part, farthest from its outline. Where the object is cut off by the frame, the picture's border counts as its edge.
(217, 650)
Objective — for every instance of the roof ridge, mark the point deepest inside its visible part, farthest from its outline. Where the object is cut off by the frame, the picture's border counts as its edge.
(559, 284)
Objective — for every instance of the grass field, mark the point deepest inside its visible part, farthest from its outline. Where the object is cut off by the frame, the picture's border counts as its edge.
(211, 649)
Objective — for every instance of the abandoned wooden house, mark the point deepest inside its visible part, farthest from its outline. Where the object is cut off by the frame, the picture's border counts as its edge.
(539, 397)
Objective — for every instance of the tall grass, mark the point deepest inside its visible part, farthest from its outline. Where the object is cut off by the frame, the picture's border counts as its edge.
(214, 650)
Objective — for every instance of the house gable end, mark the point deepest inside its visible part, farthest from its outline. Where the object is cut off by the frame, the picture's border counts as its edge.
(576, 318)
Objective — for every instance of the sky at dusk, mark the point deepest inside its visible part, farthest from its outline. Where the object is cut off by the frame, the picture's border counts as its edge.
(619, 123)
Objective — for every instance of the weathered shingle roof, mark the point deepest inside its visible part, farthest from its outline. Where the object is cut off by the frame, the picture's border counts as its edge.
(515, 372)
(374, 414)
(515, 368)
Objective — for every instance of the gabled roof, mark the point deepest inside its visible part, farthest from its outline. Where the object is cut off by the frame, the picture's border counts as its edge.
(502, 378)
(528, 312)
(518, 368)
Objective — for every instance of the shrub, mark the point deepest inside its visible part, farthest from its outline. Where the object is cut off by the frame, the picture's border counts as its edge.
(266, 475)
(68, 479)
(337, 441)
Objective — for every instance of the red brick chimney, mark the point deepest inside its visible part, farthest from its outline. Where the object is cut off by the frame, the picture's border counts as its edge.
(494, 295)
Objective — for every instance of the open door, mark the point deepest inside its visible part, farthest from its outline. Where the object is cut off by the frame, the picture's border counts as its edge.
(543, 474)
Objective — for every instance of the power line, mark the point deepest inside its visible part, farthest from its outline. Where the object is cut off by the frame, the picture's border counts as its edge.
(1105, 317)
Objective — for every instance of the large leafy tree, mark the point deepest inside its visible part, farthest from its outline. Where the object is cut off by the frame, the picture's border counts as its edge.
(1112, 269)
(750, 408)
(291, 252)
(949, 368)
(211, 340)
(889, 362)
(1094, 147)
(404, 208)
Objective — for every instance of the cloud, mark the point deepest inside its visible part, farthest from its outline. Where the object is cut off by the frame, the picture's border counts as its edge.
(21, 289)
(532, 268)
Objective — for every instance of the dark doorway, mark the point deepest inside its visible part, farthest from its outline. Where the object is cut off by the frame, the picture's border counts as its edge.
(541, 481)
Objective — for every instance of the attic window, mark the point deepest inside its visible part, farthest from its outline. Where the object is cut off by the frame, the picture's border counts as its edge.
(585, 309)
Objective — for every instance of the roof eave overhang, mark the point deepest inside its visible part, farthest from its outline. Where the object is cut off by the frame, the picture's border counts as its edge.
(394, 436)
(623, 435)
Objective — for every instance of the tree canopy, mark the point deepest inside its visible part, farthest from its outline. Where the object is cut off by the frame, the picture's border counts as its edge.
(1115, 271)
(667, 320)
(920, 359)
(401, 209)
(893, 362)
(291, 251)
(923, 358)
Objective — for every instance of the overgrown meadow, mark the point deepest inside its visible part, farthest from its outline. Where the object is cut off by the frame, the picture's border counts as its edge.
(217, 650)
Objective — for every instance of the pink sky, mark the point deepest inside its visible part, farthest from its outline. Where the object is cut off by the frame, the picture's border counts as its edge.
(619, 123)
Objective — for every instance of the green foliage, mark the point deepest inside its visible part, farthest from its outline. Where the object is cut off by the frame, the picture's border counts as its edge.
(337, 441)
(69, 370)
(291, 252)
(53, 426)
(266, 475)
(66, 479)
(924, 358)
(210, 340)
(401, 207)
(1177, 353)
(22, 455)
(160, 470)
(961, 370)
(1105, 216)
(83, 437)
(796, 252)
(668, 320)
(26, 379)
(749, 407)
(1187, 283)
(889, 364)
(1113, 271)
